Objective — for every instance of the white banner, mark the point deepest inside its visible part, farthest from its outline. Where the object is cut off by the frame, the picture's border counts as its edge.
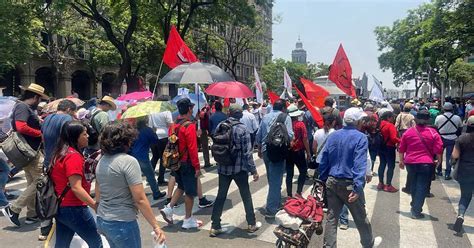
(258, 87)
(287, 83)
(183, 91)
(376, 94)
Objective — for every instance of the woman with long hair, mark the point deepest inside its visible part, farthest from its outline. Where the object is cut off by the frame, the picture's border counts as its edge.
(119, 189)
(464, 152)
(67, 170)
(387, 152)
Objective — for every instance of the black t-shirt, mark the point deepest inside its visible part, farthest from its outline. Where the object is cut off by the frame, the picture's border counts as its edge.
(465, 145)
(23, 112)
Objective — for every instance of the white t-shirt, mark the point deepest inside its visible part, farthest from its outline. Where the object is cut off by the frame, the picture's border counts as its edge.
(320, 136)
(448, 127)
(160, 122)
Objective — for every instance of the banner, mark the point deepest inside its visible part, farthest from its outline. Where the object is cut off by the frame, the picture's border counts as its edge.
(376, 94)
(183, 91)
(177, 52)
(287, 83)
(341, 72)
(258, 87)
(378, 83)
(314, 112)
(315, 93)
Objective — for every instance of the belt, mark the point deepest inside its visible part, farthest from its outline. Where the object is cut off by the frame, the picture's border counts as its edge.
(343, 179)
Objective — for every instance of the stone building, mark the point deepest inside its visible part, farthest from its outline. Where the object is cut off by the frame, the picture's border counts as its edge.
(298, 55)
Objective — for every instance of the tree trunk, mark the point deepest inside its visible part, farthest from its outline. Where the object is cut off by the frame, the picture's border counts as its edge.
(417, 87)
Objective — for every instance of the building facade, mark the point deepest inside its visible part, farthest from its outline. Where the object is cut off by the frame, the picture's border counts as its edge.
(298, 55)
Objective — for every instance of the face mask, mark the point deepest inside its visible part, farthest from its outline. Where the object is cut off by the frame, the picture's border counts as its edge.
(300, 118)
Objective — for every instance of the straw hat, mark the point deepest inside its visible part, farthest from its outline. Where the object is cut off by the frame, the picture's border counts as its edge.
(293, 111)
(35, 88)
(109, 100)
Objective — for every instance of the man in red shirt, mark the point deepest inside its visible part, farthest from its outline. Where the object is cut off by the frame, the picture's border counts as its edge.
(387, 151)
(186, 176)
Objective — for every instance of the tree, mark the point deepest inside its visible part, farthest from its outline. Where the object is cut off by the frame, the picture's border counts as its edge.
(272, 74)
(462, 74)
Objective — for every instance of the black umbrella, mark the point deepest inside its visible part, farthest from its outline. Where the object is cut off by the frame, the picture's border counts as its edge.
(196, 73)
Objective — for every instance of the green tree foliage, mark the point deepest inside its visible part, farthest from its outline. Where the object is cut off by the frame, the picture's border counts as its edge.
(462, 74)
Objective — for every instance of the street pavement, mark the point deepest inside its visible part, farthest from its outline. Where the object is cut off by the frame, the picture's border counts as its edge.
(389, 214)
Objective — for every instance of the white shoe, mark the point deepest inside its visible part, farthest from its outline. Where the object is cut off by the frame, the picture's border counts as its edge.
(191, 222)
(167, 214)
(377, 241)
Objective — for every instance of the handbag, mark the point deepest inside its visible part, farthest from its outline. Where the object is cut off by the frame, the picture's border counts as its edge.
(18, 151)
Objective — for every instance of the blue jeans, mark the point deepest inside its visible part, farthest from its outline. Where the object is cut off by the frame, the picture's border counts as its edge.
(70, 220)
(449, 146)
(466, 196)
(421, 177)
(4, 170)
(149, 173)
(120, 234)
(275, 178)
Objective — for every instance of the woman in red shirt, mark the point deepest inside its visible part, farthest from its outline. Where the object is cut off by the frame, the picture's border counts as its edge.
(387, 152)
(296, 155)
(68, 171)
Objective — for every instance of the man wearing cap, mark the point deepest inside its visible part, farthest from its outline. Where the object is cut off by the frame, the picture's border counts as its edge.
(238, 172)
(99, 118)
(343, 166)
(26, 122)
(448, 125)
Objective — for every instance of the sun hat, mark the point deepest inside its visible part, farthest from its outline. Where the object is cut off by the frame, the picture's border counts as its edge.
(42, 104)
(109, 100)
(35, 88)
(293, 111)
(356, 102)
(353, 114)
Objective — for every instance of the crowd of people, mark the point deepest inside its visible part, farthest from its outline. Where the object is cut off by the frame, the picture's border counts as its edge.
(80, 149)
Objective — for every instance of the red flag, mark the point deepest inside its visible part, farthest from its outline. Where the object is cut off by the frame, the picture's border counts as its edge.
(177, 52)
(315, 93)
(314, 112)
(273, 97)
(341, 72)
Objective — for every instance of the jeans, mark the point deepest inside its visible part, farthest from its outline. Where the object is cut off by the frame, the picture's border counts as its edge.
(157, 151)
(296, 158)
(373, 151)
(70, 220)
(338, 193)
(27, 199)
(4, 170)
(147, 170)
(344, 216)
(275, 177)
(466, 196)
(449, 146)
(242, 181)
(387, 159)
(420, 182)
(120, 234)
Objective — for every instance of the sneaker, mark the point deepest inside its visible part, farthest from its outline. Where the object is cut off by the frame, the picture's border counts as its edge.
(390, 189)
(430, 195)
(377, 241)
(405, 190)
(458, 224)
(447, 177)
(42, 237)
(191, 222)
(417, 216)
(167, 214)
(254, 228)
(205, 203)
(208, 165)
(11, 216)
(160, 195)
(380, 186)
(31, 220)
(343, 226)
(215, 232)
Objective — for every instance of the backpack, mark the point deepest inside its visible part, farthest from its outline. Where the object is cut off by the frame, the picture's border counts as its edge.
(375, 137)
(171, 156)
(47, 202)
(278, 140)
(222, 149)
(91, 129)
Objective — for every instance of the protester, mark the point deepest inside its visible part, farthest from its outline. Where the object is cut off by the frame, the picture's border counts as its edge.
(99, 118)
(371, 126)
(27, 123)
(217, 117)
(4, 170)
(275, 170)
(160, 122)
(186, 176)
(320, 137)
(204, 135)
(299, 153)
(418, 146)
(469, 107)
(396, 107)
(387, 152)
(434, 112)
(405, 119)
(329, 109)
(237, 172)
(140, 150)
(68, 175)
(256, 110)
(464, 153)
(250, 122)
(448, 125)
(343, 167)
(119, 189)
(385, 106)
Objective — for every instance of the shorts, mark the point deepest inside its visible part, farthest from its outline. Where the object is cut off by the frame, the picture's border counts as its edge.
(186, 179)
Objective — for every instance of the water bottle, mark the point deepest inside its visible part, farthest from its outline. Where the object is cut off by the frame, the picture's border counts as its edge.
(156, 244)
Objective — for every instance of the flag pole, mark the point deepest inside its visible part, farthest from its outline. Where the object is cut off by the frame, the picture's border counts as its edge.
(156, 82)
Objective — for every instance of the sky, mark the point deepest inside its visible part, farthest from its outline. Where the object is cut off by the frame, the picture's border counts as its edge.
(324, 24)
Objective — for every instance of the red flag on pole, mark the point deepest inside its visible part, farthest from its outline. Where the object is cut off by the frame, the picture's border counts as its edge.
(315, 93)
(177, 52)
(341, 72)
(273, 97)
(314, 112)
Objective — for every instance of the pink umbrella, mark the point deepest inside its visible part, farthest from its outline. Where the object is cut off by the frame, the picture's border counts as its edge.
(229, 90)
(139, 95)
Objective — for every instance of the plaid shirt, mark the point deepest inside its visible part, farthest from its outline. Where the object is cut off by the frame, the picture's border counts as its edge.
(242, 148)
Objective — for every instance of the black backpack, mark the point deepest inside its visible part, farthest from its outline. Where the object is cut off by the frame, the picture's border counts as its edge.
(222, 149)
(91, 129)
(278, 140)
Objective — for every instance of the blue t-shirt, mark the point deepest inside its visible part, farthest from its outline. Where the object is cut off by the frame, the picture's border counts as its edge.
(141, 146)
(51, 130)
(215, 119)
